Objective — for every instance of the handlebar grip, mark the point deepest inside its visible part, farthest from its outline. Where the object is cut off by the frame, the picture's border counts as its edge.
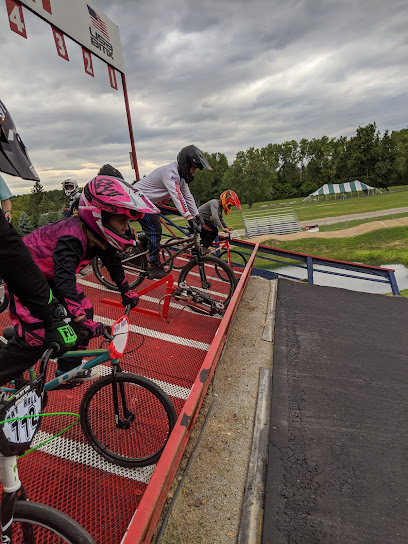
(83, 336)
(107, 334)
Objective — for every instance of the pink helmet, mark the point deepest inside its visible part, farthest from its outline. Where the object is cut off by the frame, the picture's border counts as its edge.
(104, 196)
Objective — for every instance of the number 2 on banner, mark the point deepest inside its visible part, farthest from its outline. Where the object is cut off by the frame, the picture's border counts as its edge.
(16, 18)
(88, 62)
(112, 77)
(60, 44)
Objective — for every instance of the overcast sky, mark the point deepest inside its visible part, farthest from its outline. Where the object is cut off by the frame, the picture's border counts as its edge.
(225, 75)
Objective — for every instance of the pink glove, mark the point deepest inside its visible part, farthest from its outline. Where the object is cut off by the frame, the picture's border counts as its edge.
(130, 298)
(95, 328)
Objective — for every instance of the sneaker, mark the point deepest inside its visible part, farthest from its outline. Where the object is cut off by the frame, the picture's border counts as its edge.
(205, 251)
(85, 375)
(156, 272)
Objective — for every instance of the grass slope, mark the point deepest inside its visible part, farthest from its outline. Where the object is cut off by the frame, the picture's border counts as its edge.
(383, 246)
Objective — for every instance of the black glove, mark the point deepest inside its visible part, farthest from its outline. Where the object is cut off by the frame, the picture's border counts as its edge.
(199, 220)
(130, 298)
(194, 225)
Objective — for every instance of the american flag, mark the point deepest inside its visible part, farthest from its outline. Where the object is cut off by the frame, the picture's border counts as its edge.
(98, 23)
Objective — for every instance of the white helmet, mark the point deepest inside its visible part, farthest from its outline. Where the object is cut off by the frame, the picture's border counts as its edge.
(70, 183)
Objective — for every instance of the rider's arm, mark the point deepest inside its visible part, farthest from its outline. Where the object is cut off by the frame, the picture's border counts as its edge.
(111, 259)
(189, 198)
(67, 257)
(173, 186)
(21, 274)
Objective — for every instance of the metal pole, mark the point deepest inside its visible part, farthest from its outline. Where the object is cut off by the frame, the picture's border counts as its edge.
(132, 141)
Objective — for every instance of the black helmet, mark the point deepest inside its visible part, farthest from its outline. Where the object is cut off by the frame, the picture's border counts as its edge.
(191, 156)
(14, 159)
(108, 170)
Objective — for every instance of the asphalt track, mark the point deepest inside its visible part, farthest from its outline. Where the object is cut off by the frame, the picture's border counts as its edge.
(337, 468)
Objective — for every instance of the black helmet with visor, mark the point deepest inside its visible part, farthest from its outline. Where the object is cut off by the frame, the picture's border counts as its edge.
(191, 156)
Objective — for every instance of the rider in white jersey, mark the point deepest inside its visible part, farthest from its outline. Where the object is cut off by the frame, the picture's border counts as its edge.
(170, 182)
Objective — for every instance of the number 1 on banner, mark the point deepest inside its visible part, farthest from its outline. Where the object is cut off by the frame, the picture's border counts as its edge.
(112, 77)
(88, 62)
(16, 18)
(60, 43)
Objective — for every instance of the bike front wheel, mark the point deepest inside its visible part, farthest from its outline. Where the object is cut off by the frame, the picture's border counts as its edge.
(237, 261)
(127, 419)
(134, 263)
(203, 276)
(38, 523)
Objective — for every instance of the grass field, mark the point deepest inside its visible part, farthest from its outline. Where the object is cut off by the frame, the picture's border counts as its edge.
(383, 246)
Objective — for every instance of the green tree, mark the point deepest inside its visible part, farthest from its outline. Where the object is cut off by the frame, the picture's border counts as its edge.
(400, 142)
(248, 177)
(364, 152)
(37, 194)
(24, 226)
(45, 204)
(208, 183)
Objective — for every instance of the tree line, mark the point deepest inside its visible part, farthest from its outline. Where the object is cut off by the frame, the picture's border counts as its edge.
(277, 171)
(291, 169)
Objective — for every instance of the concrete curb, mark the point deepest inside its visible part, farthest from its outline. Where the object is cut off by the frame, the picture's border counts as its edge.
(250, 529)
(269, 327)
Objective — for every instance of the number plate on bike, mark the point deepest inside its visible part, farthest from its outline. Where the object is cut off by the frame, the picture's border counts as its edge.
(21, 421)
(120, 331)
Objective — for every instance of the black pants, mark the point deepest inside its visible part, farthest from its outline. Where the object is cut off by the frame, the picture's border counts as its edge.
(153, 230)
(209, 233)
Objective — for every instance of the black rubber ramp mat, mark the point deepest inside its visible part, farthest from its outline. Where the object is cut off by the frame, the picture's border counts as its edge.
(338, 451)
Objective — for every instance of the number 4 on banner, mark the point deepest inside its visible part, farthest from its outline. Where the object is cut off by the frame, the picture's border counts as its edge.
(112, 77)
(16, 18)
(60, 43)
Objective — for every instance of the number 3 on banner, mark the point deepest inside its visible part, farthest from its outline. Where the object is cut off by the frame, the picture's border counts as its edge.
(16, 18)
(60, 44)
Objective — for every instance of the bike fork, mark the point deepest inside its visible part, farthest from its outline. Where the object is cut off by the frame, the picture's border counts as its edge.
(204, 283)
(127, 414)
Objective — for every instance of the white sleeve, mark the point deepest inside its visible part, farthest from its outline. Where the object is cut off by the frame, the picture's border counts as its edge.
(189, 198)
(178, 195)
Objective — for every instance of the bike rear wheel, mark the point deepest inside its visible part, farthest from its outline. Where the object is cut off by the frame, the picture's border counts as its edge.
(146, 415)
(40, 524)
(203, 276)
(134, 262)
(238, 263)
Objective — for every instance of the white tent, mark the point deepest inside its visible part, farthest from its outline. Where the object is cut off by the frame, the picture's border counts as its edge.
(342, 188)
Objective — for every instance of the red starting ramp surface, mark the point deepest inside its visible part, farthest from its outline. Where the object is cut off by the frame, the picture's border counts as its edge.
(115, 504)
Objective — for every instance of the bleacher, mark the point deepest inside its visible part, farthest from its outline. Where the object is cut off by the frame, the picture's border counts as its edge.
(281, 221)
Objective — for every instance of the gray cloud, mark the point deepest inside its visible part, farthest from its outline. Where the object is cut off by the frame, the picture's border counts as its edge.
(223, 74)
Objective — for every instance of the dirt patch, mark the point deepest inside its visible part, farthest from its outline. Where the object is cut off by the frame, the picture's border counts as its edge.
(208, 501)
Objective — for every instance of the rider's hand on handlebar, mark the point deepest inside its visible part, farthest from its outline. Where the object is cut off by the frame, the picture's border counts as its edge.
(95, 328)
(130, 298)
(194, 225)
(59, 335)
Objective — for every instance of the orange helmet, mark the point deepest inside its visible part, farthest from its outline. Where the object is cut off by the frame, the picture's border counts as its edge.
(228, 200)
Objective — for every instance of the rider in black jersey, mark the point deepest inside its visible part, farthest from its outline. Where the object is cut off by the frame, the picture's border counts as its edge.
(17, 268)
